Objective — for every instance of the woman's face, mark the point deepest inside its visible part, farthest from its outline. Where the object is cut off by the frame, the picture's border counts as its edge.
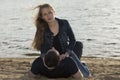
(48, 14)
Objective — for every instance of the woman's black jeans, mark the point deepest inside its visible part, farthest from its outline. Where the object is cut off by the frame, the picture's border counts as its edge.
(78, 49)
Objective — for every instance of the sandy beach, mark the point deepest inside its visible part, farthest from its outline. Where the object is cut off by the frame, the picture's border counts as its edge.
(101, 68)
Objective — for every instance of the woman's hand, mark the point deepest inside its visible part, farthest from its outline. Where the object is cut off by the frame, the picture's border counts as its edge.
(62, 56)
(67, 54)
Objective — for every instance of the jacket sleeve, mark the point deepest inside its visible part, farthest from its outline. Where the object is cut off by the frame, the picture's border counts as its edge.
(71, 37)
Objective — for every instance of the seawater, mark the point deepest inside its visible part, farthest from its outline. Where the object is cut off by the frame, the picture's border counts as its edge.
(96, 23)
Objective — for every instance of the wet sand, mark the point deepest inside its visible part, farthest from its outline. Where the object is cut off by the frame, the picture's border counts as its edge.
(101, 68)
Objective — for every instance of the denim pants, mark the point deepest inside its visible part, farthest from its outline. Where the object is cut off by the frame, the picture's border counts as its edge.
(83, 68)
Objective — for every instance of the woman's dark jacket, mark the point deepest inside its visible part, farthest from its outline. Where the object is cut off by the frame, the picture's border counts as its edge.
(66, 37)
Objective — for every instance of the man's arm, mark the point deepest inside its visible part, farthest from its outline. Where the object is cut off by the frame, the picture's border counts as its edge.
(33, 76)
(78, 75)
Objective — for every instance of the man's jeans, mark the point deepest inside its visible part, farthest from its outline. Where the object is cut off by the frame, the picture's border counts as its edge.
(83, 68)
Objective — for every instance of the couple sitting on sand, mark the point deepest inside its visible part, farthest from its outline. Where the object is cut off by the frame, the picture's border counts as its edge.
(64, 59)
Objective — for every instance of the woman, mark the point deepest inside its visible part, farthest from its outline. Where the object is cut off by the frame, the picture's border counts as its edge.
(54, 32)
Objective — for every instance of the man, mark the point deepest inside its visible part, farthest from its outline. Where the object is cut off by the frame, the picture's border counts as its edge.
(52, 66)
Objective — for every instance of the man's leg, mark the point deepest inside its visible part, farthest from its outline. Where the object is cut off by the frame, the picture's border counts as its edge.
(85, 71)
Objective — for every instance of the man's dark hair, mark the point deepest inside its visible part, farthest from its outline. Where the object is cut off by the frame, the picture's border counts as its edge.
(51, 58)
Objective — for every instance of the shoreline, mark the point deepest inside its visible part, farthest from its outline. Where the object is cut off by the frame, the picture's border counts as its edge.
(101, 68)
(37, 55)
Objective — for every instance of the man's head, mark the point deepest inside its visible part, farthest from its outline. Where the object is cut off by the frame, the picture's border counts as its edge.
(51, 59)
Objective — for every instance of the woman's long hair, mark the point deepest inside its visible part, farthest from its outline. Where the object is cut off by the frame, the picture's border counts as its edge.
(40, 27)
